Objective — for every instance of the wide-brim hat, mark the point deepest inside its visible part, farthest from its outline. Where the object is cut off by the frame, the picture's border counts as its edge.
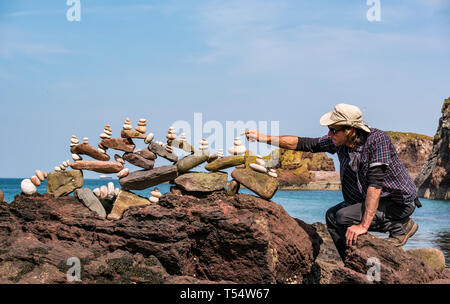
(345, 115)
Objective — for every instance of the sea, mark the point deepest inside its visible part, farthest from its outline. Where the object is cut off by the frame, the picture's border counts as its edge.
(310, 206)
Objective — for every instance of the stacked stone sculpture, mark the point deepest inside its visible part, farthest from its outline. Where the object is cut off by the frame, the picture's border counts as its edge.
(250, 171)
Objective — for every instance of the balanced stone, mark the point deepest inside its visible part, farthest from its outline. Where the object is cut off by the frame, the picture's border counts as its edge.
(147, 154)
(132, 134)
(123, 173)
(97, 166)
(124, 201)
(27, 186)
(35, 180)
(182, 144)
(138, 160)
(64, 183)
(103, 192)
(87, 197)
(149, 138)
(233, 188)
(258, 168)
(40, 175)
(202, 181)
(212, 158)
(237, 148)
(225, 162)
(187, 163)
(88, 150)
(122, 144)
(260, 183)
(143, 179)
(111, 191)
(119, 159)
(2, 196)
(159, 149)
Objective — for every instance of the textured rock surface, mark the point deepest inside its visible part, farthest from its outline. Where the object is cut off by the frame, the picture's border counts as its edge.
(159, 150)
(233, 187)
(121, 144)
(225, 163)
(433, 181)
(88, 150)
(202, 182)
(191, 161)
(146, 153)
(64, 182)
(432, 257)
(2, 196)
(260, 183)
(138, 160)
(413, 150)
(124, 201)
(87, 197)
(97, 166)
(186, 239)
(241, 239)
(143, 179)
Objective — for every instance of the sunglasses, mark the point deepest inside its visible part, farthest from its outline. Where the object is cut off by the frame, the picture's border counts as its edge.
(334, 131)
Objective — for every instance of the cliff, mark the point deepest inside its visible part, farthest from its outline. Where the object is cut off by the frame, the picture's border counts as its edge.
(413, 149)
(306, 171)
(433, 180)
(185, 238)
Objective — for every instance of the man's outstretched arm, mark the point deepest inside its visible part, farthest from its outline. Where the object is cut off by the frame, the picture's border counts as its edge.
(285, 142)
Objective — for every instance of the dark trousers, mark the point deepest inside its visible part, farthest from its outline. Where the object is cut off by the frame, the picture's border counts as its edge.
(390, 217)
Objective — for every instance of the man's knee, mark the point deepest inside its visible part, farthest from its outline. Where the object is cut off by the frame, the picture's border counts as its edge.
(341, 217)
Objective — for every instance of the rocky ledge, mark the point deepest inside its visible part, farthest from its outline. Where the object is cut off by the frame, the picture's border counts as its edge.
(186, 238)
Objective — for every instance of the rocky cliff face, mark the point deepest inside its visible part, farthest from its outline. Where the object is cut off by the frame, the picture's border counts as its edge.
(297, 169)
(433, 181)
(413, 149)
(185, 238)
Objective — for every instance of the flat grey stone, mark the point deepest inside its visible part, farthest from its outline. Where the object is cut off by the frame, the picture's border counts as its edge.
(88, 198)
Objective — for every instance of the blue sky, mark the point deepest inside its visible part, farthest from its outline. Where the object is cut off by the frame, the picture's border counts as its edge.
(280, 60)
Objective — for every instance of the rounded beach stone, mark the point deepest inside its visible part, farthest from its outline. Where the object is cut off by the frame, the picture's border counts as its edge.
(45, 174)
(111, 191)
(141, 129)
(156, 193)
(40, 175)
(35, 180)
(233, 188)
(258, 168)
(76, 157)
(2, 196)
(103, 192)
(153, 199)
(27, 186)
(97, 192)
(273, 174)
(149, 138)
(123, 173)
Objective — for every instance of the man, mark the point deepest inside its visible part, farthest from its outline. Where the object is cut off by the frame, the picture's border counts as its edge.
(379, 195)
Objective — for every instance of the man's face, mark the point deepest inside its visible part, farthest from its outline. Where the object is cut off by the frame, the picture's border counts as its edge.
(337, 134)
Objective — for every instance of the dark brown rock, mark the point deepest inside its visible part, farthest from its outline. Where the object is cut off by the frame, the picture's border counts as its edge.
(143, 179)
(240, 239)
(233, 188)
(138, 160)
(121, 144)
(159, 150)
(433, 181)
(132, 134)
(97, 166)
(146, 153)
(86, 149)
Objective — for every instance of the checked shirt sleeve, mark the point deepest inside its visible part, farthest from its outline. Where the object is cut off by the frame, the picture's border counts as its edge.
(380, 150)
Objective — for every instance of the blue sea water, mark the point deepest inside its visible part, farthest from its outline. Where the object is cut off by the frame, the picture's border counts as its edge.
(310, 206)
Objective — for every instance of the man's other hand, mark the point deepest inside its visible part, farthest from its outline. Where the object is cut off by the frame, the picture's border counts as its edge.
(352, 234)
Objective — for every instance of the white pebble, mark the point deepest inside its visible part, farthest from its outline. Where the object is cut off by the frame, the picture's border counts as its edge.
(28, 187)
(258, 168)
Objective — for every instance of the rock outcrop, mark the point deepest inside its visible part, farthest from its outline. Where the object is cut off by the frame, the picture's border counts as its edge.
(243, 239)
(208, 238)
(433, 181)
(412, 149)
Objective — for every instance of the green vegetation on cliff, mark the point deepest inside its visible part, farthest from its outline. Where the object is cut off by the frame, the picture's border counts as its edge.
(404, 137)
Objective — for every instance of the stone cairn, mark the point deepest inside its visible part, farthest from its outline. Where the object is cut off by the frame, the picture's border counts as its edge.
(250, 170)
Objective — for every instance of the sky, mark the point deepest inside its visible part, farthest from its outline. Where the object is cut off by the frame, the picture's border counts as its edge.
(282, 61)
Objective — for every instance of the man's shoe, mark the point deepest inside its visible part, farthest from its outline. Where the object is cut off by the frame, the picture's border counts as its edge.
(400, 240)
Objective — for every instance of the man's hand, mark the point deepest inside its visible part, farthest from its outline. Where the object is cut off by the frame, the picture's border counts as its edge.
(352, 234)
(254, 135)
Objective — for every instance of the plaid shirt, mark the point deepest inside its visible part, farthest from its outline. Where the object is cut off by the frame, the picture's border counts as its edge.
(378, 149)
